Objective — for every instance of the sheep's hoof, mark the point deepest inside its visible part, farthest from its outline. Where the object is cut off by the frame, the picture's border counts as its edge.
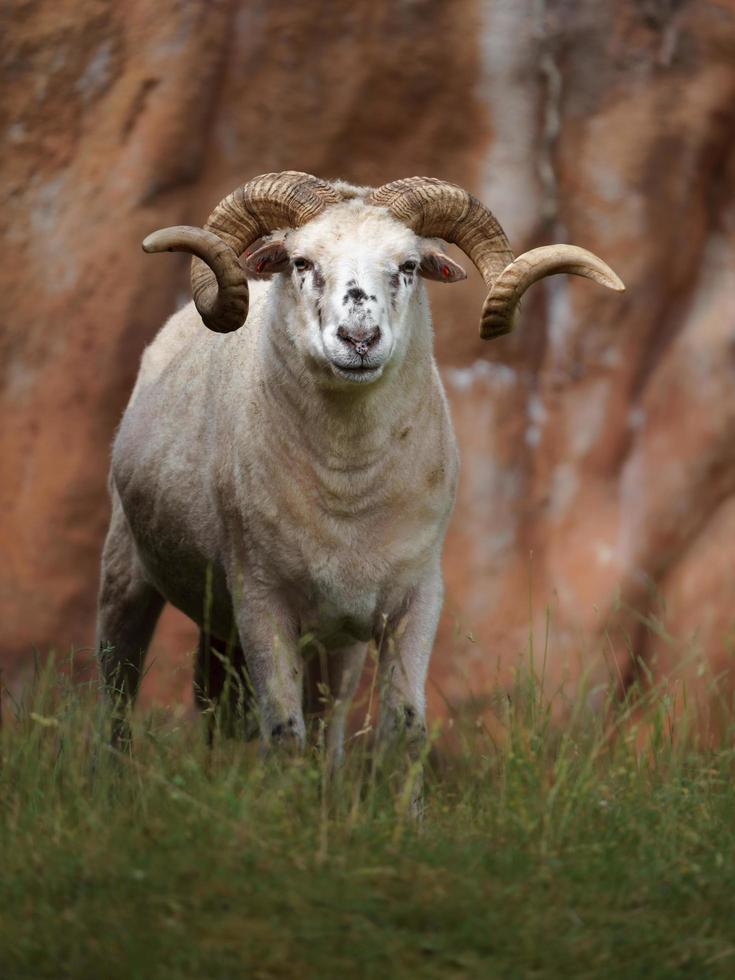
(121, 736)
(285, 737)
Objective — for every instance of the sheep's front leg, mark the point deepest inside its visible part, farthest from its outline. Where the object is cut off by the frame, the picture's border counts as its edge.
(127, 611)
(276, 669)
(346, 668)
(404, 662)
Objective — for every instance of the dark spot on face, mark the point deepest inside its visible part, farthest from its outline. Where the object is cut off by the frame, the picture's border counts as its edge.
(318, 280)
(355, 295)
(394, 283)
(405, 432)
(373, 299)
(435, 476)
(409, 716)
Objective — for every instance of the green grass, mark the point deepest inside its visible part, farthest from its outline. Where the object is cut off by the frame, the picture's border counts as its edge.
(547, 852)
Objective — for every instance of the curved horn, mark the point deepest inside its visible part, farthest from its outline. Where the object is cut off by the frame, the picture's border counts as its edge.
(436, 208)
(501, 306)
(232, 299)
(218, 282)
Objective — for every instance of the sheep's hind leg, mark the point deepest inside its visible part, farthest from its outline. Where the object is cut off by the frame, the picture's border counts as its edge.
(346, 667)
(222, 689)
(403, 666)
(127, 612)
(331, 680)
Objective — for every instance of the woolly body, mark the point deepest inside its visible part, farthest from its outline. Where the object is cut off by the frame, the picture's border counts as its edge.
(250, 477)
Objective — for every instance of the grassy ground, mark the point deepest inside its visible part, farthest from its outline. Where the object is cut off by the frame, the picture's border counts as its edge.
(541, 854)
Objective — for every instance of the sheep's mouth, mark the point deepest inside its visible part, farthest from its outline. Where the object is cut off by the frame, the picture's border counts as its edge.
(359, 373)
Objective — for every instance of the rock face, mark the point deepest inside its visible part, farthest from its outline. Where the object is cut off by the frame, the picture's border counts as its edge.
(598, 441)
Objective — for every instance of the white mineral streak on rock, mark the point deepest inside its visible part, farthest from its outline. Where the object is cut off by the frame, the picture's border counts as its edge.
(488, 373)
(49, 222)
(604, 552)
(632, 498)
(563, 490)
(509, 87)
(97, 75)
(588, 417)
(560, 317)
(537, 416)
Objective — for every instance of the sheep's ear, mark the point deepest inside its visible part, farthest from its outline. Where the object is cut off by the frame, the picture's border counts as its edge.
(264, 260)
(438, 266)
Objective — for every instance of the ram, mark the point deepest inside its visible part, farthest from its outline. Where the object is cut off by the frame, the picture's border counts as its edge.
(295, 477)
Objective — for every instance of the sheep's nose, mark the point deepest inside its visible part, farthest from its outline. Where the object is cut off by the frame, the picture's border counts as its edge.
(362, 338)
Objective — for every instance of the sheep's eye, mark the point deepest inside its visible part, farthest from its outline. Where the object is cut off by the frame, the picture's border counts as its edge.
(409, 266)
(301, 264)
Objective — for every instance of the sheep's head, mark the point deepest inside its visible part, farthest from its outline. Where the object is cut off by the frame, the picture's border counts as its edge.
(422, 206)
(350, 276)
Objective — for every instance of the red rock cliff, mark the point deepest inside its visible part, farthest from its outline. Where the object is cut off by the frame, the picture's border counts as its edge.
(600, 437)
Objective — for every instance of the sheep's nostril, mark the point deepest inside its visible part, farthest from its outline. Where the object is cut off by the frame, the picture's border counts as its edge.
(361, 338)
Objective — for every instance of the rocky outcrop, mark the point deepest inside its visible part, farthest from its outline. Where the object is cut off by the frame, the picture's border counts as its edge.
(598, 479)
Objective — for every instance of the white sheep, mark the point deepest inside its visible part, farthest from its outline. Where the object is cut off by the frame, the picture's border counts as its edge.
(296, 477)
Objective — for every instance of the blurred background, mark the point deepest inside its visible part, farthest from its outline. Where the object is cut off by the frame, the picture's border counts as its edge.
(597, 493)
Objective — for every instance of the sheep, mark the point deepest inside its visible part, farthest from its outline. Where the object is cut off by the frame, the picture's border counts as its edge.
(297, 476)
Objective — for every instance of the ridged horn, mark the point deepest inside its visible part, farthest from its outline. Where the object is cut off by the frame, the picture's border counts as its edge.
(218, 282)
(501, 306)
(437, 209)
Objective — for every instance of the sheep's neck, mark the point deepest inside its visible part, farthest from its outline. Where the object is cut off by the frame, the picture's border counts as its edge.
(345, 431)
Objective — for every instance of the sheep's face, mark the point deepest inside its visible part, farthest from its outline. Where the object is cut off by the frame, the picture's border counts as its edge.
(353, 278)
